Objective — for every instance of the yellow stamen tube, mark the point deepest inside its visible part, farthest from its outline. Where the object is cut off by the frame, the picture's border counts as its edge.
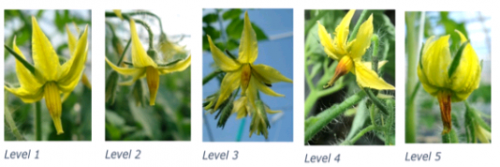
(53, 102)
(444, 99)
(153, 78)
(246, 74)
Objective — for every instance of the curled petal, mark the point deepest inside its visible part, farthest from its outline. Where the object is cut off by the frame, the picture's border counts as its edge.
(265, 89)
(230, 82)
(179, 66)
(248, 50)
(71, 41)
(27, 96)
(467, 75)
(368, 78)
(224, 62)
(435, 61)
(26, 79)
(269, 74)
(72, 70)
(140, 57)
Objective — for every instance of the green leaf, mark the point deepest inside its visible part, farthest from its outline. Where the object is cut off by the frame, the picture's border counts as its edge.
(232, 44)
(359, 120)
(456, 60)
(210, 18)
(260, 34)
(232, 14)
(214, 33)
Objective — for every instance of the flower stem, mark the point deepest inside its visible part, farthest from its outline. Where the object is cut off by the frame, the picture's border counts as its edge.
(147, 13)
(450, 137)
(211, 76)
(124, 51)
(150, 32)
(359, 135)
(38, 121)
(321, 120)
(358, 24)
(411, 44)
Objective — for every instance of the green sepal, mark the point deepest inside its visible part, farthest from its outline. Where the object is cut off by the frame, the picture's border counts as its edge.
(456, 59)
(23, 61)
(111, 83)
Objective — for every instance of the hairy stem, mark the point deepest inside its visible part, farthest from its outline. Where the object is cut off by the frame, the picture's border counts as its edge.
(359, 135)
(325, 117)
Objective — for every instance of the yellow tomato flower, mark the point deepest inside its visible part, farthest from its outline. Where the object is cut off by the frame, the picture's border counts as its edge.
(242, 108)
(72, 40)
(349, 54)
(446, 82)
(242, 72)
(145, 66)
(50, 79)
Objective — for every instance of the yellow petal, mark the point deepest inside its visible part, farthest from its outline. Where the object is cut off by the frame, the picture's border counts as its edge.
(265, 89)
(269, 111)
(380, 64)
(462, 36)
(224, 62)
(327, 41)
(342, 31)
(72, 69)
(230, 82)
(137, 73)
(26, 79)
(54, 105)
(179, 66)
(248, 50)
(367, 78)
(435, 63)
(270, 74)
(71, 41)
(44, 56)
(141, 73)
(251, 94)
(27, 96)
(118, 13)
(140, 57)
(363, 39)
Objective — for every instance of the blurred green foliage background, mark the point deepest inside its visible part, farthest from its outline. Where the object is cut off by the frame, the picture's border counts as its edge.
(170, 118)
(76, 115)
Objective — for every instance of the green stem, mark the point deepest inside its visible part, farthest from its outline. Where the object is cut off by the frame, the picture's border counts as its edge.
(12, 124)
(38, 121)
(376, 101)
(124, 51)
(317, 94)
(329, 114)
(358, 24)
(23, 61)
(450, 137)
(146, 13)
(411, 45)
(210, 76)
(359, 135)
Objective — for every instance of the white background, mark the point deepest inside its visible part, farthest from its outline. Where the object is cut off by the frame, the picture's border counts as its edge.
(250, 154)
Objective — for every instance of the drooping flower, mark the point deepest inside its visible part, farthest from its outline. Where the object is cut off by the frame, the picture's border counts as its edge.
(168, 48)
(145, 66)
(349, 54)
(242, 72)
(448, 80)
(50, 78)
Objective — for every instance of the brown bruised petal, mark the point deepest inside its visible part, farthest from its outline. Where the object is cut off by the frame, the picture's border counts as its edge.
(444, 99)
(153, 79)
(343, 67)
(53, 102)
(245, 77)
